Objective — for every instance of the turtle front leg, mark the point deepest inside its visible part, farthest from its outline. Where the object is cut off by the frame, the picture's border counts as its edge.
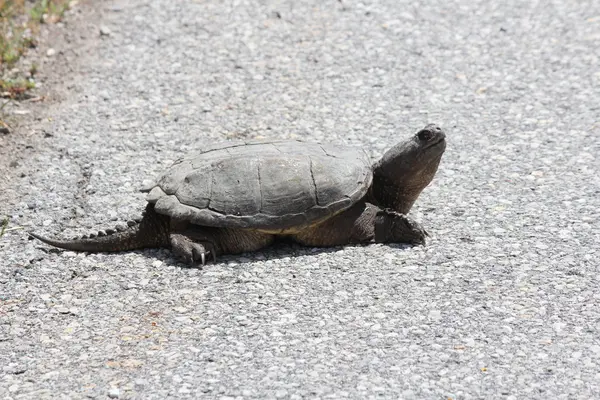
(393, 227)
(363, 223)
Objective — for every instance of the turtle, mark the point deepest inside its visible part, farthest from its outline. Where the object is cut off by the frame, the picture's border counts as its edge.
(236, 197)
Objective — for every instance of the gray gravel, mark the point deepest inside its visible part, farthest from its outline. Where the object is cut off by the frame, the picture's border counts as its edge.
(504, 301)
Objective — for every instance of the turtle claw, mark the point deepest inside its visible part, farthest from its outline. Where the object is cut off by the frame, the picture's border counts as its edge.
(203, 250)
(204, 254)
(194, 253)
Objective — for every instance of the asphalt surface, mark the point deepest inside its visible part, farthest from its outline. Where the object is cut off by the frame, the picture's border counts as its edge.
(502, 303)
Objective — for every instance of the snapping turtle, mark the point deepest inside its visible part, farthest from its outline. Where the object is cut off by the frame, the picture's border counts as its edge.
(238, 197)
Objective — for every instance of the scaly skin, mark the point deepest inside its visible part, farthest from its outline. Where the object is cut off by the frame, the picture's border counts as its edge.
(362, 223)
(151, 231)
(406, 169)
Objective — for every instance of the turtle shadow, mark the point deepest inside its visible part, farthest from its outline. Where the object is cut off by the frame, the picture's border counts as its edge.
(279, 250)
(276, 251)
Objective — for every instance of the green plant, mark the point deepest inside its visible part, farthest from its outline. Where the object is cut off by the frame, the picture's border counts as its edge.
(11, 48)
(19, 23)
(8, 8)
(14, 88)
(55, 9)
(4, 226)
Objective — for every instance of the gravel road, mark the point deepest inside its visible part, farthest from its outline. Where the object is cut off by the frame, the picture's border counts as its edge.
(503, 302)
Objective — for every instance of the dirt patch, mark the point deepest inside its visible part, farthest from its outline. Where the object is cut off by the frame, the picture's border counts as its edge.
(57, 56)
(20, 24)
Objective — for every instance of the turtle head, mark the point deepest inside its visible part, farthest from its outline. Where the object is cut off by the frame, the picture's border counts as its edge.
(407, 168)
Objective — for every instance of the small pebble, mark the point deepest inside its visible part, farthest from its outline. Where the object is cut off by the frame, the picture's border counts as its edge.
(105, 30)
(435, 314)
(114, 393)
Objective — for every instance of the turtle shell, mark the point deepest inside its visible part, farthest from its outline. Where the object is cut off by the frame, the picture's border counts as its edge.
(275, 186)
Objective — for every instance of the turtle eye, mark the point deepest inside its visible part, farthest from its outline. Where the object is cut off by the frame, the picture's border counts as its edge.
(425, 135)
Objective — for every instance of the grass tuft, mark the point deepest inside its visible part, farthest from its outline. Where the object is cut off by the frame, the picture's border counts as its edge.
(19, 22)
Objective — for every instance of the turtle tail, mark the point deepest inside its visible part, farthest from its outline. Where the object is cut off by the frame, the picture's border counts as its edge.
(152, 230)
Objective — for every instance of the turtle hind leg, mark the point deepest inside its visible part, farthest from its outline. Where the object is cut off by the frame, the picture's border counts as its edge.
(197, 244)
(192, 252)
